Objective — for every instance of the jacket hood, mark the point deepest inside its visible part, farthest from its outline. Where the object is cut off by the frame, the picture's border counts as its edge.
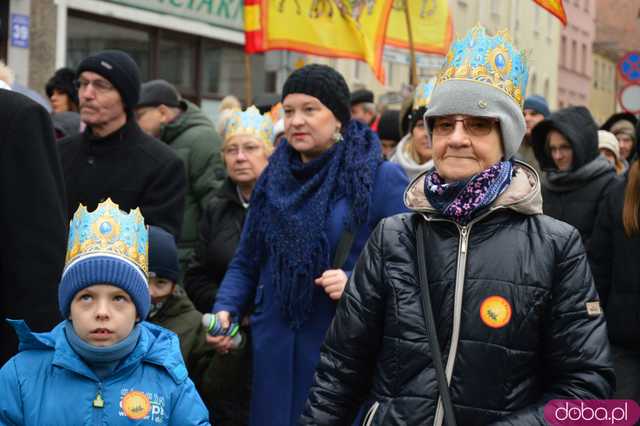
(574, 179)
(403, 158)
(191, 116)
(156, 345)
(578, 126)
(523, 195)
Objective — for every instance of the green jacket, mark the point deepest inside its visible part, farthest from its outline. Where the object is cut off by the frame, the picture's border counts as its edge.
(223, 381)
(195, 141)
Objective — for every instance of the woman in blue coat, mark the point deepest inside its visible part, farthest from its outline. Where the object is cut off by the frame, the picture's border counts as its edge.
(326, 180)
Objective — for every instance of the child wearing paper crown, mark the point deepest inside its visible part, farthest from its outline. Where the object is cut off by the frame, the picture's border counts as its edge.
(103, 364)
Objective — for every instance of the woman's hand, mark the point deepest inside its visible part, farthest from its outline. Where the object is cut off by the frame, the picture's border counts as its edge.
(333, 282)
(222, 344)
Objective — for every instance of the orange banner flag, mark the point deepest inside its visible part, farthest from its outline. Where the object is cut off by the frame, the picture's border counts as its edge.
(430, 25)
(331, 28)
(555, 7)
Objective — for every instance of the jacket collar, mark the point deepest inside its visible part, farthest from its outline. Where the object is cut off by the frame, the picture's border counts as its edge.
(523, 195)
(156, 346)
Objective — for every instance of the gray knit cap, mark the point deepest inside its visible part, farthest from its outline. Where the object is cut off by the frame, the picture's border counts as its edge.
(481, 100)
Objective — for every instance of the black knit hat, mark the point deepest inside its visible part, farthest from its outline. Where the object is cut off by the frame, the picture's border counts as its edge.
(158, 92)
(121, 71)
(362, 96)
(389, 125)
(325, 84)
(163, 254)
(62, 81)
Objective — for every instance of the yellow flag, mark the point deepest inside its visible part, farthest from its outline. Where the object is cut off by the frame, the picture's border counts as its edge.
(430, 25)
(332, 28)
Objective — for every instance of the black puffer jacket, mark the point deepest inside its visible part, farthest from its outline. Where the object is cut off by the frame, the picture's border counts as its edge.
(548, 346)
(573, 196)
(616, 270)
(219, 233)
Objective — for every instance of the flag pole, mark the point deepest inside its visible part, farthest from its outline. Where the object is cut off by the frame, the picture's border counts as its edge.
(413, 74)
(248, 95)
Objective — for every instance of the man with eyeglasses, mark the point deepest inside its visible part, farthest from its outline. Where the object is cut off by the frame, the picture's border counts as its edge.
(113, 158)
(162, 113)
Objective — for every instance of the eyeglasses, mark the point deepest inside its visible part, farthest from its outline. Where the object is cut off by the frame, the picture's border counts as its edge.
(475, 126)
(234, 150)
(100, 86)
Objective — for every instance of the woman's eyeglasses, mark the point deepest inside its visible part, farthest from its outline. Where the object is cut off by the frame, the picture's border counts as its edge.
(234, 150)
(475, 126)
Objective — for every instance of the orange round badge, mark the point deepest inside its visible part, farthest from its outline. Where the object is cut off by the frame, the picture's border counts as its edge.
(495, 311)
(136, 405)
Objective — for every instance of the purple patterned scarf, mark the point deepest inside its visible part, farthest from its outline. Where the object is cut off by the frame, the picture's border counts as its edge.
(461, 201)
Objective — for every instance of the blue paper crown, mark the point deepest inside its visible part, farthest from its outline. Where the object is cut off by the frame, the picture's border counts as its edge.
(422, 95)
(249, 122)
(487, 59)
(108, 230)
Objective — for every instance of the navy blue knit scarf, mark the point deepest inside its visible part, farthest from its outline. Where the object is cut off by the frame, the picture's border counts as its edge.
(461, 201)
(291, 202)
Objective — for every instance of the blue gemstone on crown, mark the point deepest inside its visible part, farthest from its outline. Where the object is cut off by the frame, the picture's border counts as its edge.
(500, 62)
(105, 227)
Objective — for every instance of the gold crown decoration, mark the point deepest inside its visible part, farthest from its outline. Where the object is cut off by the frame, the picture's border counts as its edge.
(422, 95)
(249, 122)
(110, 231)
(492, 60)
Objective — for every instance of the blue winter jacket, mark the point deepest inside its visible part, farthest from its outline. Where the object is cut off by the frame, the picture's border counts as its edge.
(47, 383)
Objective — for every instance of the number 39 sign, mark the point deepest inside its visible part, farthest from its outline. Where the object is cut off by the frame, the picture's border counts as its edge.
(19, 30)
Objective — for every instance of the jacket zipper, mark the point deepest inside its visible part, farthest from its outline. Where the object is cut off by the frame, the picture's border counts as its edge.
(98, 405)
(368, 419)
(461, 267)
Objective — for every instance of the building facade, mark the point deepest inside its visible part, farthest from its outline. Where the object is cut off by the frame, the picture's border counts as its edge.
(196, 45)
(575, 60)
(602, 99)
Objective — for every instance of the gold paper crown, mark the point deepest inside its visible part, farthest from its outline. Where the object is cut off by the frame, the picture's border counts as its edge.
(249, 122)
(422, 95)
(487, 59)
(111, 231)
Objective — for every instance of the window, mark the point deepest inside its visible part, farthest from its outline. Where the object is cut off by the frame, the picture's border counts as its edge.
(596, 73)
(89, 36)
(563, 51)
(177, 61)
(546, 88)
(583, 66)
(533, 87)
(586, 5)
(202, 69)
(574, 55)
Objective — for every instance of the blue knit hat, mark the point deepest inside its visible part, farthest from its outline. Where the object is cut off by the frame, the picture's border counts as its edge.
(163, 254)
(106, 246)
(537, 103)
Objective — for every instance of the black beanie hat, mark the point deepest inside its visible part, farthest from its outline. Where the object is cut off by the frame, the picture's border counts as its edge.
(62, 80)
(121, 71)
(163, 254)
(325, 84)
(389, 125)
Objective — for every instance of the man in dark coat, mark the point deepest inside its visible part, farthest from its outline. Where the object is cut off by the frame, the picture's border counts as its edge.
(576, 177)
(163, 114)
(114, 158)
(32, 217)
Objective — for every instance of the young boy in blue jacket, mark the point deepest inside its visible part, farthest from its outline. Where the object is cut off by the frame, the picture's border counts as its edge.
(103, 365)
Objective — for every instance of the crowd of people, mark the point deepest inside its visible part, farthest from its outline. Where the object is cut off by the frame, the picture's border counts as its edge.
(465, 259)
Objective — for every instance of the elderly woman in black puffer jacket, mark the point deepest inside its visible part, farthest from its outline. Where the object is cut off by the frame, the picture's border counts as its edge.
(513, 302)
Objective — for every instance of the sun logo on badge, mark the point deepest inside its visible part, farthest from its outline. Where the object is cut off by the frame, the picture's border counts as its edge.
(136, 405)
(495, 311)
